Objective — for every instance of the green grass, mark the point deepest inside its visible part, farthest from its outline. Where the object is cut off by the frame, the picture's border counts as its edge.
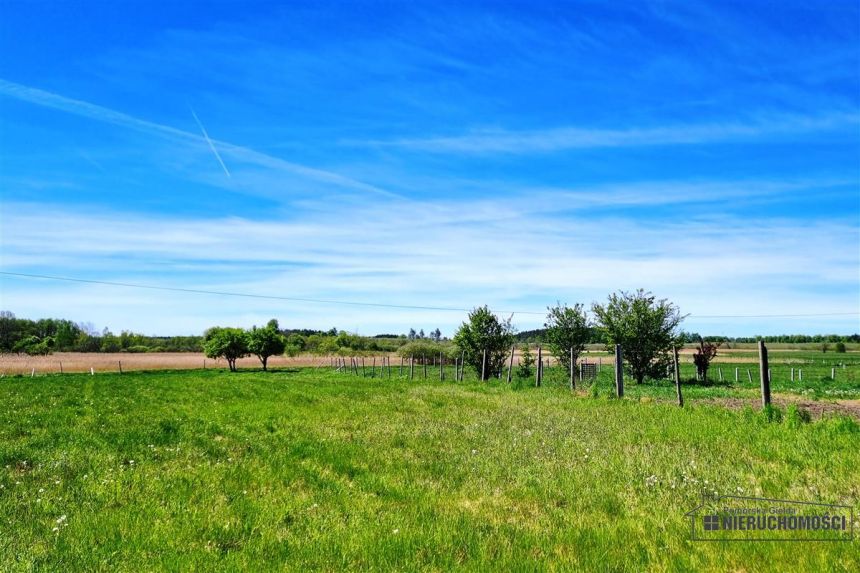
(315, 470)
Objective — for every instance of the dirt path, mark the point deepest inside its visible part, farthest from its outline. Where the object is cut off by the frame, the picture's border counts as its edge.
(817, 408)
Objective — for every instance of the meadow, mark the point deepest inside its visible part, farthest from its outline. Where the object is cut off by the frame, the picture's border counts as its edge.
(311, 469)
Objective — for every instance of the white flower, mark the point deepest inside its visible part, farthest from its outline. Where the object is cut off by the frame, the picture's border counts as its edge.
(396, 531)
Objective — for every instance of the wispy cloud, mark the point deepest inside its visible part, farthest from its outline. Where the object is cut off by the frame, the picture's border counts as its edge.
(568, 138)
(434, 257)
(98, 113)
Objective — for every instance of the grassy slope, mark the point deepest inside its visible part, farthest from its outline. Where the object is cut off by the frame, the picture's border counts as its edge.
(312, 469)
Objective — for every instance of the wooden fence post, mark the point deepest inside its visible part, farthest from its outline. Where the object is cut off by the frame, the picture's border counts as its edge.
(677, 373)
(765, 374)
(484, 365)
(425, 366)
(511, 363)
(619, 372)
(572, 369)
(401, 367)
(61, 367)
(441, 368)
(412, 367)
(462, 364)
(539, 367)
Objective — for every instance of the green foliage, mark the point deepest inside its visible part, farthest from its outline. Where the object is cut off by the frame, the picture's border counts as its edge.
(644, 327)
(110, 343)
(527, 360)
(771, 413)
(35, 346)
(796, 416)
(266, 342)
(424, 350)
(567, 328)
(839, 347)
(484, 331)
(228, 343)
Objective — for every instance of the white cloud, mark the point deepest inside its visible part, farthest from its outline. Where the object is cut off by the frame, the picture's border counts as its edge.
(565, 138)
(433, 256)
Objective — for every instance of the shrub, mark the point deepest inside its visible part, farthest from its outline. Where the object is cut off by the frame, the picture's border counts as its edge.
(645, 329)
(485, 332)
(527, 360)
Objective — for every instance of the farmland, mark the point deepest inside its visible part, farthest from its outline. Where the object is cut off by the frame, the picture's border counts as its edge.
(304, 468)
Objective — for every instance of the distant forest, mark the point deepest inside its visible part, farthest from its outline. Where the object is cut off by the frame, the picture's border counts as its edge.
(43, 336)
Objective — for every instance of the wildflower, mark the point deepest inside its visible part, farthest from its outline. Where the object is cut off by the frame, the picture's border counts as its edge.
(396, 531)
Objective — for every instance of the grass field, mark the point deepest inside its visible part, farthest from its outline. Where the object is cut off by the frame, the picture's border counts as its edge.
(311, 469)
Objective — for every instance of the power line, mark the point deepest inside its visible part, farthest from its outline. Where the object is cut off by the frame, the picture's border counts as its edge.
(374, 304)
(258, 296)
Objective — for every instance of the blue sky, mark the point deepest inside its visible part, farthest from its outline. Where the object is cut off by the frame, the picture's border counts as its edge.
(508, 154)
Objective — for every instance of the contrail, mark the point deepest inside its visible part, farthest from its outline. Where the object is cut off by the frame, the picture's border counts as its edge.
(209, 141)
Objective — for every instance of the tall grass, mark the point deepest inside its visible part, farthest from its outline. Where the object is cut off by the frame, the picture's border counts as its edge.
(314, 470)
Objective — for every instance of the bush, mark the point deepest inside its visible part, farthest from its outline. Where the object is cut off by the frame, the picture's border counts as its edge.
(644, 327)
(485, 332)
(424, 351)
(840, 347)
(136, 349)
(527, 360)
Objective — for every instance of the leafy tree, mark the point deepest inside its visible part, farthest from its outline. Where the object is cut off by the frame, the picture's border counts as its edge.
(705, 352)
(266, 342)
(840, 347)
(421, 334)
(527, 360)
(228, 343)
(109, 342)
(436, 335)
(644, 327)
(485, 331)
(411, 335)
(35, 346)
(567, 327)
(328, 345)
